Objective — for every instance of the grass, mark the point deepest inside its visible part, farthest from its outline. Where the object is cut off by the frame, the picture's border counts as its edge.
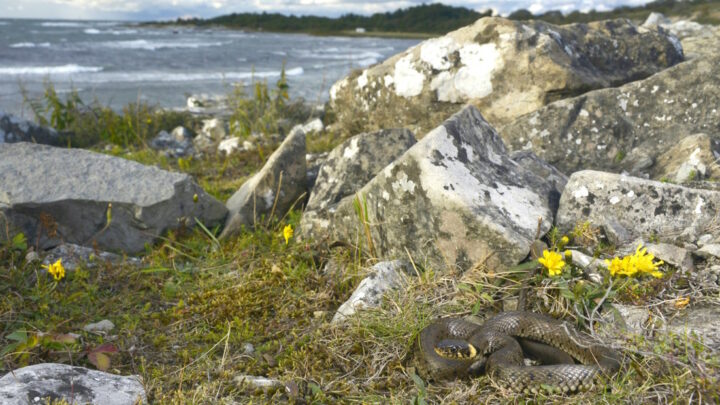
(186, 317)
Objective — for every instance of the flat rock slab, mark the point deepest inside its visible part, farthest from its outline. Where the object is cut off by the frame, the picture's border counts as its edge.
(642, 208)
(73, 256)
(56, 195)
(76, 385)
(629, 127)
(272, 190)
(701, 322)
(347, 168)
(505, 68)
(453, 199)
(385, 276)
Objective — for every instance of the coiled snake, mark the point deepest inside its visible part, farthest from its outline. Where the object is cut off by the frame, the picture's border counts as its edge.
(455, 347)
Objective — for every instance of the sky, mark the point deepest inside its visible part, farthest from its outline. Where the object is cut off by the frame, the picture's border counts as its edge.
(171, 9)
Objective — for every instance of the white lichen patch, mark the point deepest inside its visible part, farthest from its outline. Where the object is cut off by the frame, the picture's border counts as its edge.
(581, 192)
(388, 80)
(269, 198)
(403, 184)
(474, 79)
(351, 150)
(337, 87)
(408, 81)
(435, 52)
(699, 205)
(362, 80)
(614, 200)
(453, 184)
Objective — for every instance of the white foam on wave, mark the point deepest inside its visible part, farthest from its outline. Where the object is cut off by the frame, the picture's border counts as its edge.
(30, 45)
(95, 31)
(62, 24)
(162, 77)
(48, 70)
(144, 44)
(348, 55)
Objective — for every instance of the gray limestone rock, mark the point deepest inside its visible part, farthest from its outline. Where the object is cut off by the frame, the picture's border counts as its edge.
(709, 250)
(14, 129)
(279, 184)
(56, 195)
(701, 322)
(77, 385)
(347, 168)
(633, 318)
(73, 256)
(673, 255)
(385, 276)
(453, 199)
(644, 208)
(625, 128)
(505, 68)
(176, 144)
(695, 157)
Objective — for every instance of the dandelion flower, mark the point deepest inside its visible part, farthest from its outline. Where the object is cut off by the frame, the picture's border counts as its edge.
(553, 262)
(288, 233)
(56, 270)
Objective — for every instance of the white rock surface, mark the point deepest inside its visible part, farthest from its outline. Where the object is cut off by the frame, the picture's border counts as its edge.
(77, 385)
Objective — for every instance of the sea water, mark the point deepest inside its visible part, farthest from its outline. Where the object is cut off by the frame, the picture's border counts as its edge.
(119, 62)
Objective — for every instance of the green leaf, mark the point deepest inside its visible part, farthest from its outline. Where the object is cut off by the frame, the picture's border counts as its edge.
(19, 242)
(18, 336)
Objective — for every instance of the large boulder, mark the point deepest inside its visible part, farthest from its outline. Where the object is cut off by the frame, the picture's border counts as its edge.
(56, 195)
(75, 385)
(637, 207)
(698, 40)
(505, 68)
(14, 129)
(453, 199)
(347, 168)
(274, 189)
(624, 128)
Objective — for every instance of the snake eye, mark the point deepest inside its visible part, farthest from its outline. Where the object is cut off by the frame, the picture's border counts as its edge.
(455, 349)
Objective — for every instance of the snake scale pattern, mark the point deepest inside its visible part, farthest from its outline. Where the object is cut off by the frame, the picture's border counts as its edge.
(500, 343)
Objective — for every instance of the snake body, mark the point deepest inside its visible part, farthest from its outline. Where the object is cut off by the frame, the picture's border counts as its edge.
(500, 343)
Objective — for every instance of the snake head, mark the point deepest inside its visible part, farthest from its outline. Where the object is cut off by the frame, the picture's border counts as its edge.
(455, 349)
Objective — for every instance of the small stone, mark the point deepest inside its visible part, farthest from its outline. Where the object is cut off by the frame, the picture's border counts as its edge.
(672, 254)
(705, 239)
(263, 383)
(103, 326)
(589, 265)
(709, 250)
(32, 256)
(248, 348)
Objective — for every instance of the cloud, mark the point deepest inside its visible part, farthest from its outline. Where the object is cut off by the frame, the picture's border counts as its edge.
(161, 9)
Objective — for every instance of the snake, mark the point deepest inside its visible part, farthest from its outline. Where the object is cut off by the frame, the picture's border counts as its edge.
(457, 347)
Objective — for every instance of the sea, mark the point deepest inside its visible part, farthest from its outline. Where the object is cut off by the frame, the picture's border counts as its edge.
(120, 62)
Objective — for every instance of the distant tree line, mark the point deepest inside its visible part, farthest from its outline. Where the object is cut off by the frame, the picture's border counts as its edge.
(426, 18)
(439, 18)
(702, 9)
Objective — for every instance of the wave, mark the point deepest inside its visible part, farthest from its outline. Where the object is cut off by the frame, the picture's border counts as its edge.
(155, 45)
(339, 56)
(95, 31)
(48, 70)
(62, 24)
(155, 77)
(30, 45)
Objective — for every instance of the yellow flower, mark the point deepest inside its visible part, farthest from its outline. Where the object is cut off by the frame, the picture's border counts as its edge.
(640, 262)
(553, 262)
(563, 242)
(56, 270)
(287, 233)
